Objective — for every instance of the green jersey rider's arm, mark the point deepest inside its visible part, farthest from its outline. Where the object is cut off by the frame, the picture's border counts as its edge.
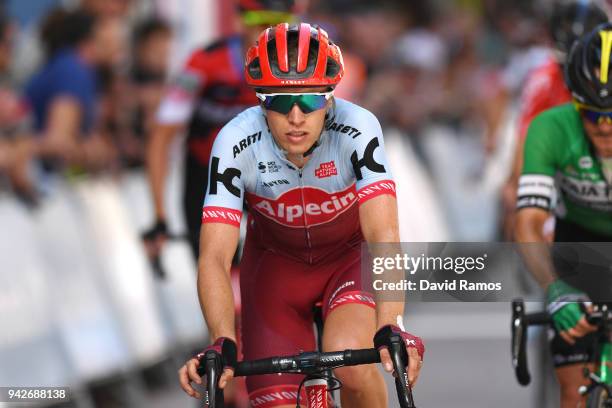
(535, 198)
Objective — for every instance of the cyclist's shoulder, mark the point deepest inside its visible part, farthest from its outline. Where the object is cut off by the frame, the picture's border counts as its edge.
(204, 56)
(352, 119)
(564, 115)
(250, 121)
(351, 111)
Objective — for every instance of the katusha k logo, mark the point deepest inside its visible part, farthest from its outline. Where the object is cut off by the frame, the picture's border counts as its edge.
(306, 206)
(326, 169)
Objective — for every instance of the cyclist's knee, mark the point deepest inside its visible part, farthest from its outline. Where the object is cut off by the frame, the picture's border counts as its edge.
(358, 378)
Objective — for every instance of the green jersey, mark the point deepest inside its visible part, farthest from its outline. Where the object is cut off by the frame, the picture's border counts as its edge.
(561, 172)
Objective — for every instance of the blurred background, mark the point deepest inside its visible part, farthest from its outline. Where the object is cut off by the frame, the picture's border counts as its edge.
(80, 83)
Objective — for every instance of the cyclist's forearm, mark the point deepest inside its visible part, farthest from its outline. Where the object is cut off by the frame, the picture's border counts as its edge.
(387, 312)
(535, 252)
(157, 164)
(216, 298)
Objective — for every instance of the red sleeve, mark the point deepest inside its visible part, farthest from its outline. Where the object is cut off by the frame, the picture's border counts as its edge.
(375, 189)
(534, 99)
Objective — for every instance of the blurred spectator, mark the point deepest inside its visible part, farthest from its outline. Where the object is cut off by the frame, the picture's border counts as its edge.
(16, 147)
(63, 94)
(107, 8)
(142, 90)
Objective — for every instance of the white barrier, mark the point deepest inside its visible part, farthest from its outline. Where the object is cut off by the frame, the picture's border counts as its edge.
(85, 318)
(178, 292)
(30, 351)
(127, 276)
(420, 217)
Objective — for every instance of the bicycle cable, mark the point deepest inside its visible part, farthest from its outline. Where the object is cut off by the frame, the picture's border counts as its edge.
(319, 376)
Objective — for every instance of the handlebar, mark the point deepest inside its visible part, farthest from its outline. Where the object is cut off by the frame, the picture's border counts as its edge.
(600, 316)
(305, 363)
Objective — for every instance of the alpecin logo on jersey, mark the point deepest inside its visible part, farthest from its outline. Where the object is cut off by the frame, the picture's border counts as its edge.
(307, 206)
(326, 169)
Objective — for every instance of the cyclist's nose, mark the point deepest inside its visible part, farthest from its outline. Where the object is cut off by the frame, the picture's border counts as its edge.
(296, 116)
(605, 127)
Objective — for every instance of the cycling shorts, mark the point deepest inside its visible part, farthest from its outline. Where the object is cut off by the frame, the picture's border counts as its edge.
(278, 296)
(563, 353)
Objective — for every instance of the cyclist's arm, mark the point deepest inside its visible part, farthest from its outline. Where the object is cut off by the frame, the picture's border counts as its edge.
(536, 197)
(379, 224)
(534, 249)
(157, 162)
(175, 109)
(221, 215)
(377, 203)
(218, 243)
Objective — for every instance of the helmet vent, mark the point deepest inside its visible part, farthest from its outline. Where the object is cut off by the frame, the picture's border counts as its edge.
(255, 69)
(332, 68)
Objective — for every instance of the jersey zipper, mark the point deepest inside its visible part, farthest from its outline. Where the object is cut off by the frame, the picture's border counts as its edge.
(308, 241)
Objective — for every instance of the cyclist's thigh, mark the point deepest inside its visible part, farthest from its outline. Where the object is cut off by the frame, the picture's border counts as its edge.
(565, 354)
(351, 326)
(570, 378)
(277, 299)
(346, 285)
(348, 306)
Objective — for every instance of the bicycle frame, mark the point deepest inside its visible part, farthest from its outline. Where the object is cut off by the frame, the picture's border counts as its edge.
(605, 363)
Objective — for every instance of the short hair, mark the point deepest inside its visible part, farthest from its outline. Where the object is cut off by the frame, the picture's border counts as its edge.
(64, 29)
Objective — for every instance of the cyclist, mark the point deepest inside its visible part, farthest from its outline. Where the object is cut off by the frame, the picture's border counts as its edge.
(208, 92)
(315, 177)
(572, 142)
(545, 87)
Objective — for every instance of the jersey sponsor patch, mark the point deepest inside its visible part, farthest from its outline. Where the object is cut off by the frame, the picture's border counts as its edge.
(307, 206)
(368, 161)
(226, 178)
(535, 190)
(222, 215)
(592, 194)
(375, 189)
(341, 128)
(246, 142)
(326, 169)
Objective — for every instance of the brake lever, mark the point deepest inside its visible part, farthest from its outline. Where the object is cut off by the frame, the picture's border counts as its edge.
(212, 369)
(399, 357)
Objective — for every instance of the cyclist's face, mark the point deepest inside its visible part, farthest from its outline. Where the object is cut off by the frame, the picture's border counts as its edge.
(600, 135)
(296, 131)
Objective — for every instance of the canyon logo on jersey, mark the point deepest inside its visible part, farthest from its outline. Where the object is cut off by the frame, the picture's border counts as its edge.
(307, 206)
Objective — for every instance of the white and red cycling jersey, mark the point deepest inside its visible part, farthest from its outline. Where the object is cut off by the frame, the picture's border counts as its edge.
(544, 88)
(305, 213)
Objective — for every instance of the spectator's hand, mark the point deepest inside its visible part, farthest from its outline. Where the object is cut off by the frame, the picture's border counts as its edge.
(414, 347)
(188, 373)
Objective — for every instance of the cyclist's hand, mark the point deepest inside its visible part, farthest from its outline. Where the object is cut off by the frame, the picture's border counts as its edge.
(567, 306)
(414, 347)
(154, 238)
(188, 373)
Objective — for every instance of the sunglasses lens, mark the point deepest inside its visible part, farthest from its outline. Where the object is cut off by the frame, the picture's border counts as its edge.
(597, 117)
(284, 103)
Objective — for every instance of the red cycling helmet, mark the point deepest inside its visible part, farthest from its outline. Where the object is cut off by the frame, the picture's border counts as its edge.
(315, 59)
